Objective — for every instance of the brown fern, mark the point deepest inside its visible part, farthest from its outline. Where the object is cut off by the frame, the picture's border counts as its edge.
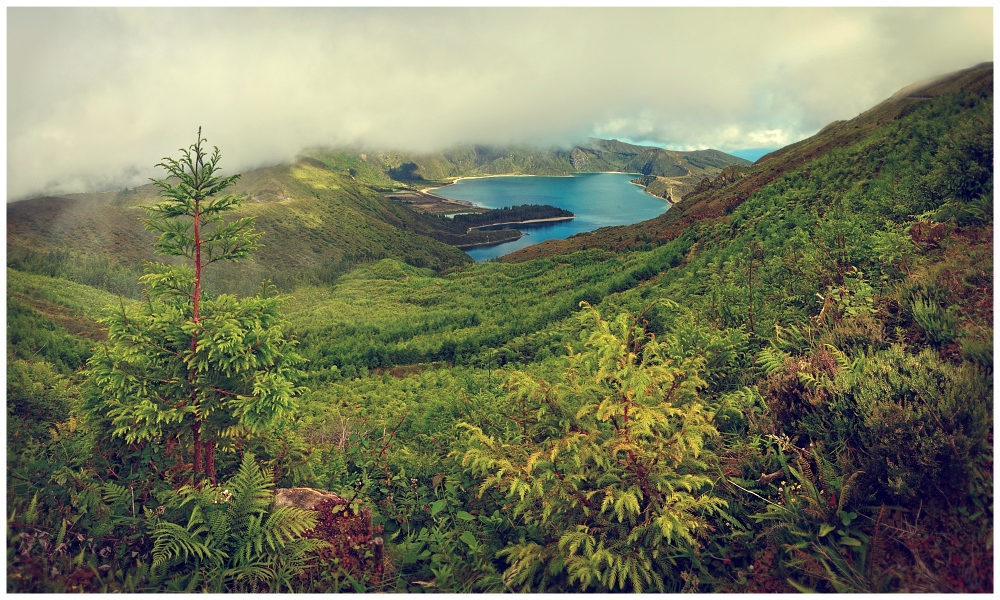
(805, 468)
(876, 548)
(846, 490)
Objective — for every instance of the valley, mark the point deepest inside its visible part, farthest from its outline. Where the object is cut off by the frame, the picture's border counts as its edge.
(780, 381)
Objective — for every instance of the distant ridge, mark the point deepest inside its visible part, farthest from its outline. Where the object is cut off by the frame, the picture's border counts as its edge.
(735, 184)
(668, 173)
(329, 210)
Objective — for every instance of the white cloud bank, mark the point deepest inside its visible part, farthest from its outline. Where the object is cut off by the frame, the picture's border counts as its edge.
(95, 97)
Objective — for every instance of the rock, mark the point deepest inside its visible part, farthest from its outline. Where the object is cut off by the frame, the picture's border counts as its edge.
(346, 527)
(304, 498)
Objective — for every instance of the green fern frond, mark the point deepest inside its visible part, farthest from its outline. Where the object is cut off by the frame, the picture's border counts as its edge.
(251, 489)
(805, 469)
(287, 523)
(809, 381)
(219, 525)
(100, 530)
(302, 547)
(170, 540)
(31, 514)
(844, 363)
(116, 494)
(827, 472)
(771, 360)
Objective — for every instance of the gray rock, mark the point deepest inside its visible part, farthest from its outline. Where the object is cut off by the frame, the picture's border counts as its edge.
(303, 497)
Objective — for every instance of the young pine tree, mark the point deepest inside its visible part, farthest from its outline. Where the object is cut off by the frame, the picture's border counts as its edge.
(181, 373)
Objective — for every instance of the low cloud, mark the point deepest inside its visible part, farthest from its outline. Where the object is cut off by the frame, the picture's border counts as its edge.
(98, 96)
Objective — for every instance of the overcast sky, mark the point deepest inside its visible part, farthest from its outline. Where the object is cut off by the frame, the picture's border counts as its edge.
(95, 97)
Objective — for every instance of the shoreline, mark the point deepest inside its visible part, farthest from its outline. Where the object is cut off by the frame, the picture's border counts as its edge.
(574, 174)
(496, 243)
(457, 179)
(513, 224)
(669, 201)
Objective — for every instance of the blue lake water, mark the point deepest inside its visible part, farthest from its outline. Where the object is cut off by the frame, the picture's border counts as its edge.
(597, 199)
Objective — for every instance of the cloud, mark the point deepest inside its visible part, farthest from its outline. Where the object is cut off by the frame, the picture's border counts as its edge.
(98, 96)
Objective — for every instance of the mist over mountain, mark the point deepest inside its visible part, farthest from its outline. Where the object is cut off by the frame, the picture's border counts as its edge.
(331, 208)
(784, 382)
(98, 96)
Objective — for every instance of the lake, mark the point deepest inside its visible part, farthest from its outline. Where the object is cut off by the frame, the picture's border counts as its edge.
(597, 199)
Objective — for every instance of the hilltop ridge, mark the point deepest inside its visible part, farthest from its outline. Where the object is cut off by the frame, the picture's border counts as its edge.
(387, 169)
(331, 209)
(732, 186)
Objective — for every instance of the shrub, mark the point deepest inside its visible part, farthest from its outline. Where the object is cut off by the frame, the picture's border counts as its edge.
(914, 425)
(937, 323)
(609, 474)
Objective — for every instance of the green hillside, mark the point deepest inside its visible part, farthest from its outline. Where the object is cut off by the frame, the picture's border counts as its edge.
(316, 224)
(384, 170)
(713, 201)
(785, 386)
(326, 209)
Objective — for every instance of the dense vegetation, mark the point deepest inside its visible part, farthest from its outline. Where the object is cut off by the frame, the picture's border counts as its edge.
(326, 209)
(792, 394)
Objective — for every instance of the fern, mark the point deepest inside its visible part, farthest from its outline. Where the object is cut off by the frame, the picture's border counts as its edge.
(827, 472)
(231, 539)
(31, 514)
(806, 469)
(844, 363)
(251, 489)
(846, 490)
(821, 536)
(939, 324)
(171, 540)
(286, 524)
(771, 360)
(116, 494)
(219, 525)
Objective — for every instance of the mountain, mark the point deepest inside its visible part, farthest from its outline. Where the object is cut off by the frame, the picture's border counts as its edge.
(316, 225)
(326, 212)
(710, 202)
(665, 173)
(793, 377)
